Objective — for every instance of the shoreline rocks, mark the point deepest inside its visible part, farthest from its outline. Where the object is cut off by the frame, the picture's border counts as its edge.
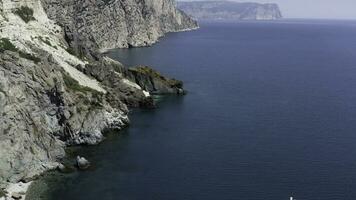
(82, 163)
(61, 168)
(152, 81)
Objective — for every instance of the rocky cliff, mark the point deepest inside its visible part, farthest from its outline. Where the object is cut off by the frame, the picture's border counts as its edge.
(57, 90)
(229, 10)
(109, 24)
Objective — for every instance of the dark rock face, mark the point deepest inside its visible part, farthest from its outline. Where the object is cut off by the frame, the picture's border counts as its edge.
(152, 81)
(112, 75)
(218, 10)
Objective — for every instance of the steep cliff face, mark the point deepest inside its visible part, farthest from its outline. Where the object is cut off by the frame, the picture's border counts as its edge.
(216, 10)
(109, 24)
(45, 102)
(52, 96)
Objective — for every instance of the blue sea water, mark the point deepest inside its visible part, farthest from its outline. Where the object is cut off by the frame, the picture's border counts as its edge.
(270, 113)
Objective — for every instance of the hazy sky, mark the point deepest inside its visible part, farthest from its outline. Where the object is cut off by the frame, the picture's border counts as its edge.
(340, 9)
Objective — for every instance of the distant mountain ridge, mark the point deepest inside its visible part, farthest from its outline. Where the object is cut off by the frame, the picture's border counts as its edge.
(216, 10)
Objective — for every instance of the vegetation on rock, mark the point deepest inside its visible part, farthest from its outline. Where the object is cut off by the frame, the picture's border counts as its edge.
(25, 13)
(71, 51)
(46, 41)
(74, 85)
(29, 57)
(2, 193)
(155, 74)
(6, 45)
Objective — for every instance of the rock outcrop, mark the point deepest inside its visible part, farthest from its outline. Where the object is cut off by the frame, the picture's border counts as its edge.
(229, 10)
(152, 81)
(57, 90)
(82, 163)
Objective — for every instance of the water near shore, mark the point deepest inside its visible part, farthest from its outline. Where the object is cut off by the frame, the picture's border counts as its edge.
(271, 113)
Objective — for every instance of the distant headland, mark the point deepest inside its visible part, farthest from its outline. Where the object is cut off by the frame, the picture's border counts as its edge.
(229, 10)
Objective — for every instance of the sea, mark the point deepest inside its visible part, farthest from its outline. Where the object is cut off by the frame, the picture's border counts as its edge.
(270, 114)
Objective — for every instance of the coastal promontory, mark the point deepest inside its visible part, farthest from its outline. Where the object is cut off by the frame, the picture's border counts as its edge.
(230, 10)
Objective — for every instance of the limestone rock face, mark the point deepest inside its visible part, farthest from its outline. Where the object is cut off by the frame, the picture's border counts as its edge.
(110, 24)
(45, 102)
(229, 10)
(41, 114)
(27, 117)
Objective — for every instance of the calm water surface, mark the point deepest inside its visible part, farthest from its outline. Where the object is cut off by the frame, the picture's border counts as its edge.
(271, 113)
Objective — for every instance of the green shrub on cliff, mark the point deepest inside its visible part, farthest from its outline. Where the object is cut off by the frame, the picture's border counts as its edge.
(6, 45)
(74, 85)
(2, 193)
(46, 41)
(25, 13)
(156, 75)
(71, 51)
(89, 102)
(29, 57)
(79, 54)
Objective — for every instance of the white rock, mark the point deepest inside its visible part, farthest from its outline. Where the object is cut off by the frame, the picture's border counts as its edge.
(82, 163)
(21, 34)
(17, 191)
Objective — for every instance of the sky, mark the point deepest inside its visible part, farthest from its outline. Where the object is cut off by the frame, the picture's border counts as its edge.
(329, 9)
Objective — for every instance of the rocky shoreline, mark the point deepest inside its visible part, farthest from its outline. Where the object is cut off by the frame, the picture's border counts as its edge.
(58, 90)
